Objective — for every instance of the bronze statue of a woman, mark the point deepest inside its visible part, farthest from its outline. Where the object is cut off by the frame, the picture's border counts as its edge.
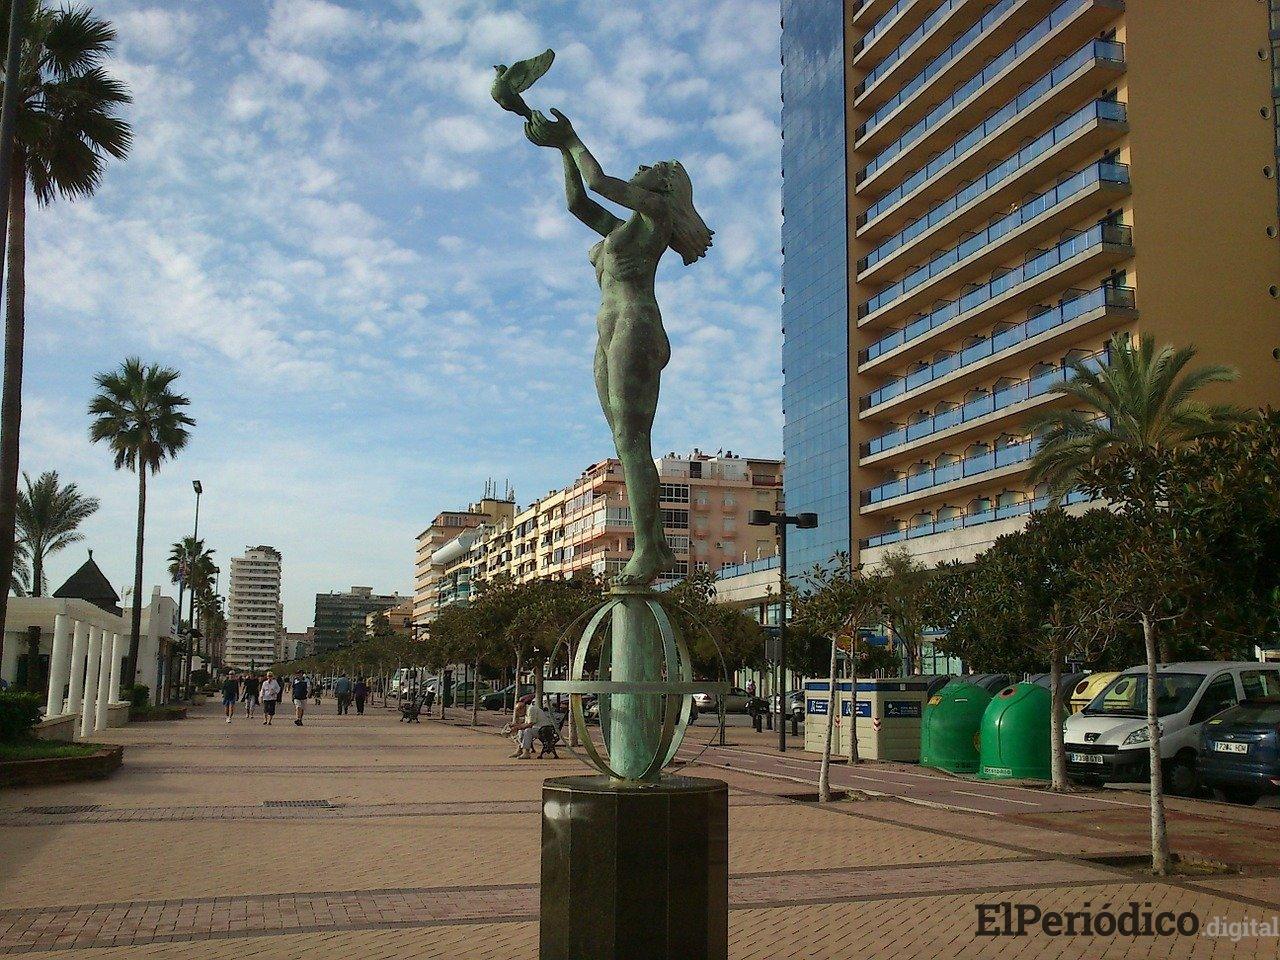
(633, 347)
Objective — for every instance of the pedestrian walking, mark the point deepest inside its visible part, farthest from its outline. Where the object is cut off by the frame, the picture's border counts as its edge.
(249, 693)
(361, 693)
(300, 691)
(230, 694)
(270, 694)
(342, 692)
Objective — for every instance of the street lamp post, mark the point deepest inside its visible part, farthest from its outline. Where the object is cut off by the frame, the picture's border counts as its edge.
(191, 619)
(780, 522)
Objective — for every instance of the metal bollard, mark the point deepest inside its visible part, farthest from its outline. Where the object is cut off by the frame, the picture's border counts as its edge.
(757, 722)
(795, 726)
(768, 719)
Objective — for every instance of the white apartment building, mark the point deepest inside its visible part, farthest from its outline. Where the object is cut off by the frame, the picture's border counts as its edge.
(255, 622)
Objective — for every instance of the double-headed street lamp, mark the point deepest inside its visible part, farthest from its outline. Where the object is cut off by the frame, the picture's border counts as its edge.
(780, 521)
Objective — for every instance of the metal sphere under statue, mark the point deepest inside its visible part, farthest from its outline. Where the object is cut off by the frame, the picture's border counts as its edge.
(647, 699)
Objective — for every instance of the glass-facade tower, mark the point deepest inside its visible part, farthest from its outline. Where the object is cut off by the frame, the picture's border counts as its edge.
(815, 305)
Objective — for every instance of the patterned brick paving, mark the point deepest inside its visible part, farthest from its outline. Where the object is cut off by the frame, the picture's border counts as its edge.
(430, 850)
(114, 924)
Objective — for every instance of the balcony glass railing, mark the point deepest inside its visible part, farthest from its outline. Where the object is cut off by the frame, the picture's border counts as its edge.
(968, 520)
(1064, 312)
(998, 229)
(879, 26)
(1097, 50)
(747, 566)
(1037, 148)
(908, 44)
(940, 62)
(1006, 456)
(971, 86)
(1114, 233)
(971, 466)
(1037, 386)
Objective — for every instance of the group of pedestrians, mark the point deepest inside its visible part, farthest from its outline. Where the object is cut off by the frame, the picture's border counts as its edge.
(268, 691)
(346, 692)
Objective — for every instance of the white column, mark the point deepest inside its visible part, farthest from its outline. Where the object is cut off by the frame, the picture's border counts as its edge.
(78, 648)
(117, 651)
(104, 683)
(92, 667)
(59, 664)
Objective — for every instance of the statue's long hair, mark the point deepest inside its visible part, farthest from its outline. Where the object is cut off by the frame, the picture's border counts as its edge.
(690, 236)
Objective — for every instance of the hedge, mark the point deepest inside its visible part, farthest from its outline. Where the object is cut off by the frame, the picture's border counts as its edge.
(19, 713)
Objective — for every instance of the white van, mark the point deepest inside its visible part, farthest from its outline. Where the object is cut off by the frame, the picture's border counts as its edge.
(1107, 741)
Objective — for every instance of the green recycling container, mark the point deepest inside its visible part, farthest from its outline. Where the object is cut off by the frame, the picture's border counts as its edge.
(949, 729)
(1015, 734)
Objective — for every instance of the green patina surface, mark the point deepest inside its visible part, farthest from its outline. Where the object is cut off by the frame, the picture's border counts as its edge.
(631, 353)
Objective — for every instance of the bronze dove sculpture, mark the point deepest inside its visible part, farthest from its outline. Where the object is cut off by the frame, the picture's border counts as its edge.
(516, 79)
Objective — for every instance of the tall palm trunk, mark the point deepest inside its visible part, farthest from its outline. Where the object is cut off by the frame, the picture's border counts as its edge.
(11, 398)
(135, 628)
(1159, 833)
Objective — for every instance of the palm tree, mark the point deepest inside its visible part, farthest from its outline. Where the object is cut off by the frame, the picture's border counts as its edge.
(67, 128)
(20, 578)
(1147, 408)
(49, 516)
(141, 418)
(1140, 406)
(191, 568)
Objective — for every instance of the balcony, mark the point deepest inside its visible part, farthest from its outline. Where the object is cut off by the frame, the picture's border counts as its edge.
(1096, 186)
(885, 34)
(1072, 313)
(941, 113)
(870, 12)
(1086, 132)
(961, 520)
(1042, 384)
(912, 50)
(963, 468)
(1022, 287)
(1089, 69)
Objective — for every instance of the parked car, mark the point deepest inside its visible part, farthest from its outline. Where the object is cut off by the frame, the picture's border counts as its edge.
(737, 700)
(1107, 741)
(1240, 750)
(795, 704)
(505, 698)
(591, 709)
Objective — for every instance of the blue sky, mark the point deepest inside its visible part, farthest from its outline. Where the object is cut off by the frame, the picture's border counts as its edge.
(368, 278)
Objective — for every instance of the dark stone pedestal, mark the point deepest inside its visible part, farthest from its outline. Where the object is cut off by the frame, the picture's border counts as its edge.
(635, 872)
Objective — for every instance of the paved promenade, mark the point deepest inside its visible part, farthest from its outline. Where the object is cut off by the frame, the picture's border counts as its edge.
(365, 838)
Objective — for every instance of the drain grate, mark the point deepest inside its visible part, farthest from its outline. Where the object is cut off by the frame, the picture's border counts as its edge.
(64, 810)
(296, 803)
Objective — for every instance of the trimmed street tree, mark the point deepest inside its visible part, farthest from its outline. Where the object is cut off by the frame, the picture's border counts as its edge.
(1146, 399)
(839, 601)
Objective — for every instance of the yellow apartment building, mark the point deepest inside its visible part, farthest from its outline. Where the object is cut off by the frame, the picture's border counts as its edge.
(977, 191)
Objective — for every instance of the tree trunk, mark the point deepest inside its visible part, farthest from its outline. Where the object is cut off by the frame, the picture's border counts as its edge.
(854, 757)
(33, 660)
(11, 398)
(824, 772)
(1057, 747)
(37, 572)
(1159, 833)
(130, 673)
(515, 689)
(475, 694)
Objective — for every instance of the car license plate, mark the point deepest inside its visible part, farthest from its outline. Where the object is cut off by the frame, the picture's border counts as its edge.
(1223, 747)
(1085, 757)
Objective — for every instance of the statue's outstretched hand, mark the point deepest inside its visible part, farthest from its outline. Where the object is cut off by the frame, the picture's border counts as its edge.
(558, 133)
